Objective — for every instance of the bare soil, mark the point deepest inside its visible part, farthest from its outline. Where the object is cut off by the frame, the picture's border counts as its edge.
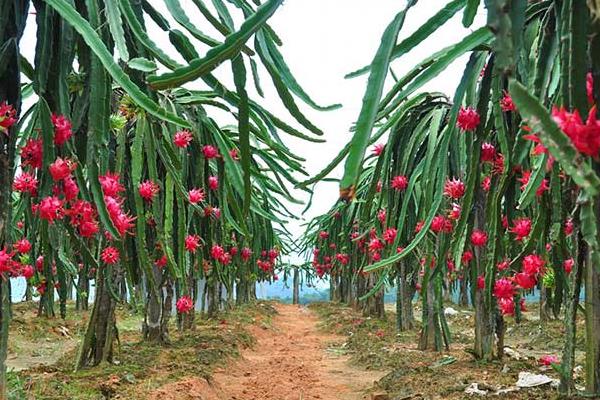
(291, 360)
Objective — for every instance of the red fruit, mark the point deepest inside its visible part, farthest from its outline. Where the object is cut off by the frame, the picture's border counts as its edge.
(503, 289)
(184, 305)
(213, 182)
(324, 235)
(525, 281)
(51, 209)
(585, 137)
(507, 306)
(70, 188)
(468, 119)
(6, 262)
(22, 246)
(521, 228)
(378, 149)
(466, 257)
(454, 188)
(454, 214)
(569, 227)
(161, 262)
(31, 153)
(399, 183)
(478, 238)
(7, 117)
(148, 190)
(217, 252)
(111, 186)
(532, 264)
(210, 152)
(110, 255)
(389, 235)
(486, 183)
(548, 360)
(183, 138)
(196, 195)
(480, 282)
(27, 272)
(191, 243)
(589, 86)
(246, 253)
(441, 224)
(62, 129)
(488, 152)
(375, 245)
(506, 103)
(26, 183)
(234, 154)
(382, 215)
(61, 169)
(503, 265)
(568, 265)
(419, 226)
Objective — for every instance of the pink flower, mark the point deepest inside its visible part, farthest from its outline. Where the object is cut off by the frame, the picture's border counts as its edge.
(213, 182)
(182, 139)
(110, 255)
(399, 183)
(454, 188)
(210, 152)
(184, 305)
(468, 119)
(521, 228)
(191, 243)
(196, 195)
(62, 129)
(478, 238)
(148, 190)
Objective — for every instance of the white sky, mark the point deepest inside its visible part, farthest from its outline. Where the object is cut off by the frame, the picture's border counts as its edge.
(322, 41)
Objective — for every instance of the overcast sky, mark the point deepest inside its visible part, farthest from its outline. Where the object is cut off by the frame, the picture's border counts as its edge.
(322, 41)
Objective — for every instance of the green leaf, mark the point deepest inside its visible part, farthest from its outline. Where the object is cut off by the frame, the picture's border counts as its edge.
(113, 15)
(470, 12)
(92, 39)
(239, 76)
(368, 113)
(559, 145)
(231, 47)
(142, 64)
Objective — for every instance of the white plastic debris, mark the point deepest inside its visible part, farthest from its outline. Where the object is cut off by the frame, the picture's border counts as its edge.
(513, 354)
(473, 388)
(450, 311)
(527, 380)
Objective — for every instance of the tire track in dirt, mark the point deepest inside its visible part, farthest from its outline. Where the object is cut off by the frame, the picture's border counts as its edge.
(288, 362)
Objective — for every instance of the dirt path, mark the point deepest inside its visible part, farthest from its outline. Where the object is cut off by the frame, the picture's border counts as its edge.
(288, 362)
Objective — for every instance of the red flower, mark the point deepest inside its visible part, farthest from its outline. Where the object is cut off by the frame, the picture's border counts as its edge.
(62, 129)
(389, 235)
(23, 246)
(521, 228)
(110, 184)
(61, 169)
(210, 151)
(585, 137)
(506, 103)
(568, 265)
(488, 152)
(183, 138)
(532, 264)
(191, 243)
(26, 183)
(454, 188)
(7, 116)
(525, 281)
(213, 182)
(503, 289)
(51, 208)
(468, 119)
(478, 238)
(399, 183)
(378, 149)
(110, 255)
(148, 190)
(196, 195)
(31, 153)
(184, 305)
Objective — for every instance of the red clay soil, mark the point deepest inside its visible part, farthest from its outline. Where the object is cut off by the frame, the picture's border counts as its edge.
(288, 362)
